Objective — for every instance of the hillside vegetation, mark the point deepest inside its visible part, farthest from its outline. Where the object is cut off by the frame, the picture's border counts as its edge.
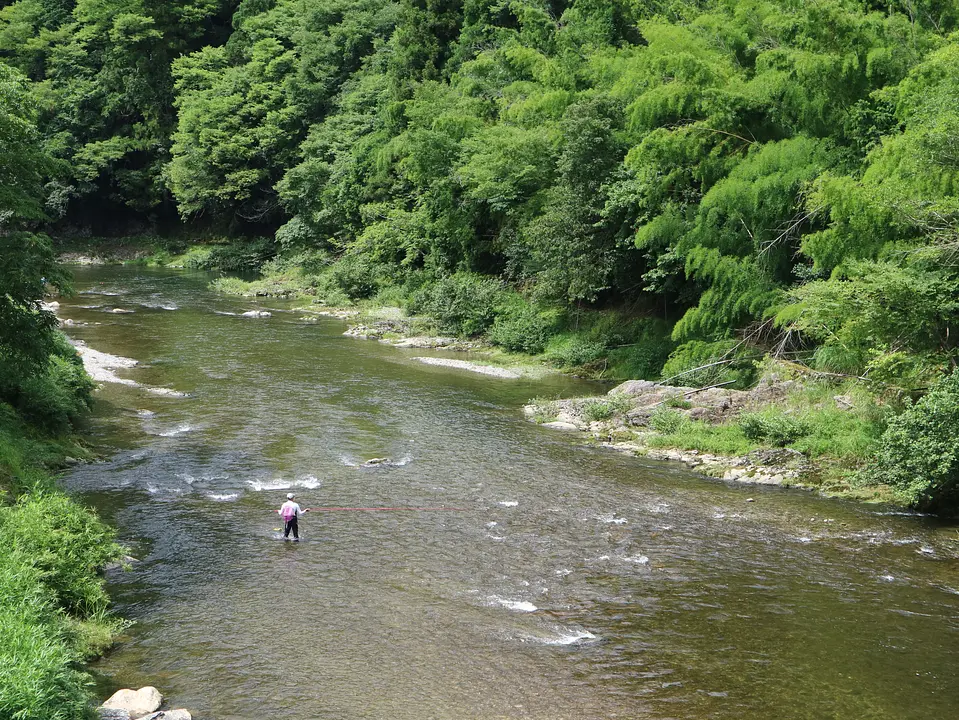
(53, 609)
(645, 189)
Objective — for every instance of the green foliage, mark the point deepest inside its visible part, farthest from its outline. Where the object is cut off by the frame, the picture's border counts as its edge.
(869, 308)
(677, 401)
(605, 408)
(58, 396)
(700, 364)
(66, 543)
(355, 275)
(726, 439)
(773, 426)
(463, 304)
(775, 171)
(26, 258)
(543, 410)
(241, 255)
(38, 679)
(522, 327)
(52, 602)
(919, 452)
(667, 421)
(570, 351)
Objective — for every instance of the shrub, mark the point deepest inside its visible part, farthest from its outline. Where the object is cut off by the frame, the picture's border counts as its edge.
(463, 303)
(522, 327)
(242, 255)
(919, 451)
(698, 364)
(55, 397)
(595, 409)
(355, 276)
(196, 258)
(573, 351)
(606, 407)
(37, 676)
(667, 421)
(773, 426)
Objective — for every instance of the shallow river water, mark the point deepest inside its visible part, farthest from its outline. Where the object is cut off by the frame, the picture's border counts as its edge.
(575, 584)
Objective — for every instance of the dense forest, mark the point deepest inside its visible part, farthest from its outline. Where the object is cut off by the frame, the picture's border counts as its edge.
(780, 172)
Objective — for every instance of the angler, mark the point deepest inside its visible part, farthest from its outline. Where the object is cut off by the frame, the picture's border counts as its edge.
(291, 512)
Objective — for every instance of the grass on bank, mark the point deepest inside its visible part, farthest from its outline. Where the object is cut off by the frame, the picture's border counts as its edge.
(611, 344)
(53, 607)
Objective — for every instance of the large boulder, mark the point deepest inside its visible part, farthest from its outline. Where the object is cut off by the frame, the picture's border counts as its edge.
(138, 703)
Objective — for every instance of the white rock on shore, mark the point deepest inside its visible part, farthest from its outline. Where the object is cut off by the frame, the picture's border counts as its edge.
(560, 425)
(101, 365)
(472, 367)
(138, 703)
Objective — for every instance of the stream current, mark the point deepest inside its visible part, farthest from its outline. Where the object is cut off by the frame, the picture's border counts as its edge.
(576, 583)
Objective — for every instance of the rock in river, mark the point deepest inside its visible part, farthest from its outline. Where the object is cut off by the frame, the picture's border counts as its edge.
(257, 314)
(112, 714)
(180, 714)
(138, 703)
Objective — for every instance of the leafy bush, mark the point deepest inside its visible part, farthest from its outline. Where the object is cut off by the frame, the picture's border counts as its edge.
(355, 276)
(595, 409)
(52, 603)
(773, 426)
(698, 364)
(522, 327)
(543, 410)
(572, 351)
(243, 255)
(55, 396)
(667, 421)
(196, 258)
(919, 451)
(605, 407)
(463, 303)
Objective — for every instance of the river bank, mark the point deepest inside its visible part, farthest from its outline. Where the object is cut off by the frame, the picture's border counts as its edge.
(53, 607)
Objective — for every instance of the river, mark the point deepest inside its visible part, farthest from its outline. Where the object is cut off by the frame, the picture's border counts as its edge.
(574, 584)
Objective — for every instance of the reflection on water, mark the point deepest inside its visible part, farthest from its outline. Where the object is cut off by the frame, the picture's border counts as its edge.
(576, 584)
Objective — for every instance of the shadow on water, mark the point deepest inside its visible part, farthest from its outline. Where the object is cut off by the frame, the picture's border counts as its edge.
(577, 583)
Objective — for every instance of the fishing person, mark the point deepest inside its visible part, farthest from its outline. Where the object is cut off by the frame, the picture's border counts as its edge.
(291, 511)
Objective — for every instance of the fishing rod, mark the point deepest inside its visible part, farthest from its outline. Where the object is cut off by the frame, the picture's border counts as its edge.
(383, 509)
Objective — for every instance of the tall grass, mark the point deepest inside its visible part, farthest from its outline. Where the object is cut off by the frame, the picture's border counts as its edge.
(53, 608)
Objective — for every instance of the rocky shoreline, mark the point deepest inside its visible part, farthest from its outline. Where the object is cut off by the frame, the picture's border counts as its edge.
(632, 405)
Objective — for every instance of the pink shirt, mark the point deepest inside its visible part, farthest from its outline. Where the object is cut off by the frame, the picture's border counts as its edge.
(290, 509)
